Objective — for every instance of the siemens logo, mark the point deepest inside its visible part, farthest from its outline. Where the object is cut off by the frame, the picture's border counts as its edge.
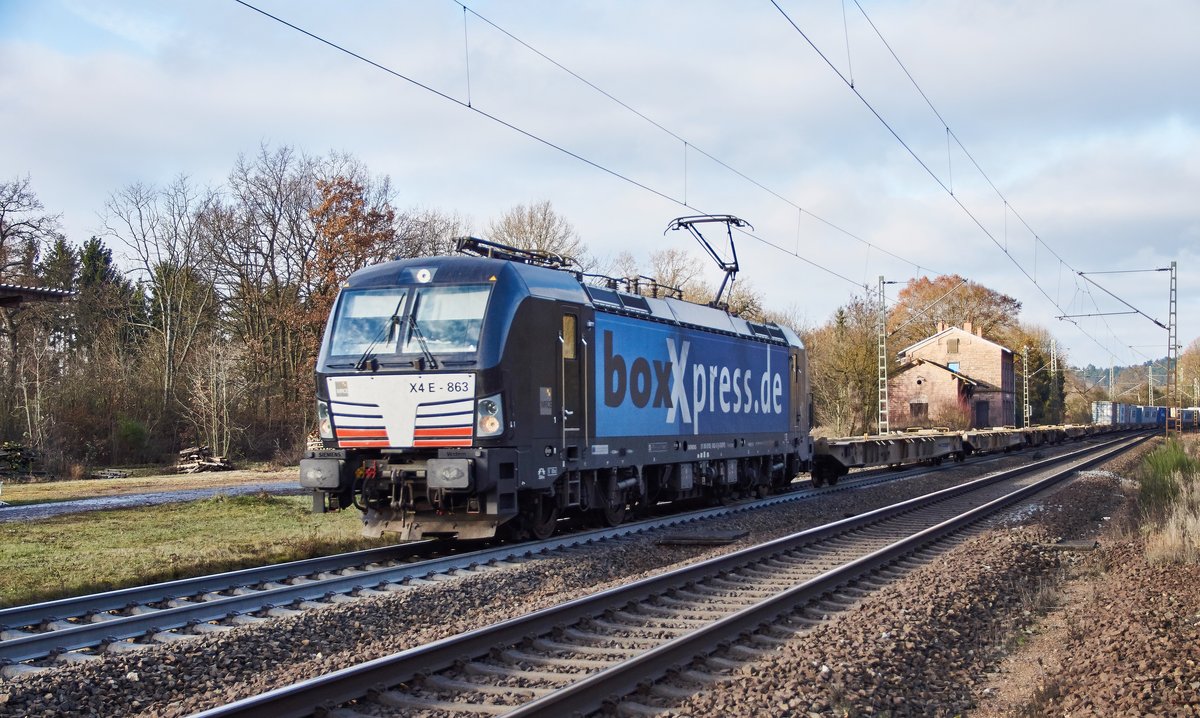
(687, 385)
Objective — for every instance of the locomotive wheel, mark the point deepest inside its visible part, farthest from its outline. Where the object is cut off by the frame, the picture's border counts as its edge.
(612, 514)
(540, 516)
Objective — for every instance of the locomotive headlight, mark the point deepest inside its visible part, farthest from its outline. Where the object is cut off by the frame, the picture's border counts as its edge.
(324, 424)
(489, 417)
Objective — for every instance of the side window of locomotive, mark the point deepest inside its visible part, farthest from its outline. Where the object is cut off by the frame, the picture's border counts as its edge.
(569, 336)
(448, 318)
(364, 321)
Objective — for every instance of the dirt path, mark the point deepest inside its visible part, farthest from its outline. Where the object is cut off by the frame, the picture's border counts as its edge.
(52, 498)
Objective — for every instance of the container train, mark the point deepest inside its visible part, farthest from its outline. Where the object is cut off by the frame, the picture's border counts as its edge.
(497, 390)
(1108, 413)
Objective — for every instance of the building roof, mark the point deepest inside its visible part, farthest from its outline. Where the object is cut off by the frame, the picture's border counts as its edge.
(13, 294)
(945, 332)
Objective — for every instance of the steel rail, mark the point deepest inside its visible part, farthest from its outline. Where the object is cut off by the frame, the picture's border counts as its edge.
(125, 627)
(592, 692)
(17, 617)
(351, 683)
(115, 628)
(35, 613)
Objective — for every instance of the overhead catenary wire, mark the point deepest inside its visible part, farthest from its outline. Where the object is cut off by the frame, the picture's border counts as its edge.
(1007, 206)
(916, 157)
(687, 144)
(537, 138)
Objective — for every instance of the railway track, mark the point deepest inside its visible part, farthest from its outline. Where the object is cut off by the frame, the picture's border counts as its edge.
(594, 652)
(76, 629)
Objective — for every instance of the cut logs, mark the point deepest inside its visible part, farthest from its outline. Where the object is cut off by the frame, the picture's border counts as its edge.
(195, 459)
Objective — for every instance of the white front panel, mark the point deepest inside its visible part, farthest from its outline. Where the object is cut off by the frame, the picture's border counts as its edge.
(403, 410)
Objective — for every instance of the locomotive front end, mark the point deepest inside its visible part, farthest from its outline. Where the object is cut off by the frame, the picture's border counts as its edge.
(409, 417)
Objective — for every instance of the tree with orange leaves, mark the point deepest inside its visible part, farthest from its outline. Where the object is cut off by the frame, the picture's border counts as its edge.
(924, 305)
(350, 234)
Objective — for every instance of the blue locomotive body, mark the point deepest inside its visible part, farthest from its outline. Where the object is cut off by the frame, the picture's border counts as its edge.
(459, 395)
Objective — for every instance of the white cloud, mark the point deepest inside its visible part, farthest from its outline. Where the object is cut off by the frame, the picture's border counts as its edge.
(1079, 111)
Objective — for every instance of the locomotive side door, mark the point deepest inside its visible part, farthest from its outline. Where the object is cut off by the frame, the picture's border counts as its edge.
(572, 353)
(799, 390)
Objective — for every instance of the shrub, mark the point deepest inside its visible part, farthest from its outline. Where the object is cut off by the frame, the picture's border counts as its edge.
(1164, 472)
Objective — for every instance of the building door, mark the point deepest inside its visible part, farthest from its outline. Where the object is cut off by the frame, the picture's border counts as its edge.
(981, 416)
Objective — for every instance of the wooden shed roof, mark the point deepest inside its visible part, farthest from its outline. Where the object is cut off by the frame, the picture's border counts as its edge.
(13, 294)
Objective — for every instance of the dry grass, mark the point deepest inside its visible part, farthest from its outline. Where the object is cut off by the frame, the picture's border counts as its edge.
(102, 550)
(1170, 500)
(1176, 539)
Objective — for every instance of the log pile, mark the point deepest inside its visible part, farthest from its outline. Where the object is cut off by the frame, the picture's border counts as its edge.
(195, 459)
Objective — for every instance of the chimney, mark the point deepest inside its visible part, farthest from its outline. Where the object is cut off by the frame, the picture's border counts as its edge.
(979, 332)
(941, 326)
(967, 328)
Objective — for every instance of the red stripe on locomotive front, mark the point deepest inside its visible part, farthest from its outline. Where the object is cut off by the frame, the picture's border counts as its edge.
(446, 431)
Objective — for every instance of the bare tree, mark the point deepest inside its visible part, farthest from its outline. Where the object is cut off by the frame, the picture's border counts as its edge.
(842, 363)
(429, 233)
(163, 230)
(24, 226)
(538, 227)
(211, 395)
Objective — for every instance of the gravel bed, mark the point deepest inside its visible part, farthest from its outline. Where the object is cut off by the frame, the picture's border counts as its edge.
(182, 677)
(928, 644)
(1122, 636)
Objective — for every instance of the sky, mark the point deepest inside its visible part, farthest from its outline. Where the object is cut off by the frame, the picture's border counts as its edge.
(1013, 142)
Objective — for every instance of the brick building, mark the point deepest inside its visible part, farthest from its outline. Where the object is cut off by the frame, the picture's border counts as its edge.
(954, 378)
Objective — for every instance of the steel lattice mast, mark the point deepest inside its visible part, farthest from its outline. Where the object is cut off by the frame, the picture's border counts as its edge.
(882, 353)
(1174, 415)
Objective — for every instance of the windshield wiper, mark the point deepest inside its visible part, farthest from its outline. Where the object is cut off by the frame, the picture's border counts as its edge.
(416, 332)
(368, 360)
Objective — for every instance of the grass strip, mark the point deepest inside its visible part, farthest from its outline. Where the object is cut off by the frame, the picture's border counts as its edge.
(1169, 498)
(96, 551)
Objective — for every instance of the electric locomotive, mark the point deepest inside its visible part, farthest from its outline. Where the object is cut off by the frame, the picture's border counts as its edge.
(501, 390)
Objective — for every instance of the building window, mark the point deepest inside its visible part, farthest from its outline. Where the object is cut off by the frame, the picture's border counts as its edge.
(918, 410)
(952, 346)
(953, 366)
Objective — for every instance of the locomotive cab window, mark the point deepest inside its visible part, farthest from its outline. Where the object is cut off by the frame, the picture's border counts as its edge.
(366, 321)
(396, 320)
(447, 318)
